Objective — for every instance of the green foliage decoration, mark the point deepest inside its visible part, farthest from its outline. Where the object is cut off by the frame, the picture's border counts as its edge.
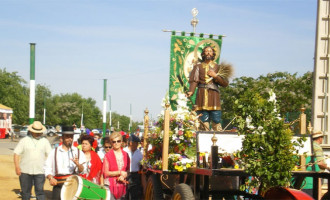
(267, 150)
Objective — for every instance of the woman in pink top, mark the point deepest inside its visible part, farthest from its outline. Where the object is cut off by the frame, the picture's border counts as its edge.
(116, 166)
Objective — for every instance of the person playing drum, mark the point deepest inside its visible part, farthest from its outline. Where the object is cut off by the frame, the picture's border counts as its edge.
(63, 162)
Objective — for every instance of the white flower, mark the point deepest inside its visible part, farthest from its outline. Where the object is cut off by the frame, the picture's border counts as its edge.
(272, 96)
(248, 119)
(181, 137)
(250, 127)
(173, 137)
(263, 133)
(177, 141)
(260, 128)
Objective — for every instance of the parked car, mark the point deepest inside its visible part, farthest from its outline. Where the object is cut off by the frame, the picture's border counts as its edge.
(23, 131)
(50, 130)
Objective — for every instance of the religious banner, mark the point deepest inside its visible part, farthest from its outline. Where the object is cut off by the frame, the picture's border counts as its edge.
(185, 52)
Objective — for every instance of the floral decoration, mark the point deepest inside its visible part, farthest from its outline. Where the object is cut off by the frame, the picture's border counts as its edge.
(182, 138)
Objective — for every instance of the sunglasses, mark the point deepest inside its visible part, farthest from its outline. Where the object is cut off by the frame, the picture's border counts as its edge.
(118, 141)
(107, 147)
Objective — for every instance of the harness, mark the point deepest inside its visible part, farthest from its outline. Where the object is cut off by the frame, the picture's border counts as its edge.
(62, 177)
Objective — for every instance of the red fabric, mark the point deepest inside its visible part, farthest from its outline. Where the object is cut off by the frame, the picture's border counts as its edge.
(94, 144)
(117, 188)
(75, 144)
(95, 169)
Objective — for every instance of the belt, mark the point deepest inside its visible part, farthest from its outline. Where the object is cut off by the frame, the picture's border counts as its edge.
(209, 86)
(62, 177)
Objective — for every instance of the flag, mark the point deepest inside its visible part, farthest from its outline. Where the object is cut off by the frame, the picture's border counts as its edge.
(185, 51)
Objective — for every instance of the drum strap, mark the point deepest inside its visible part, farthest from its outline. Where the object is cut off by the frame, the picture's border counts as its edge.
(56, 172)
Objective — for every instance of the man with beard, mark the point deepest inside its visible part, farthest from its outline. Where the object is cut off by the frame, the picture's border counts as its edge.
(64, 161)
(32, 152)
(207, 76)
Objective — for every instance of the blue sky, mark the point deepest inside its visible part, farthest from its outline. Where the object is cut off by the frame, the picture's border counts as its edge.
(81, 42)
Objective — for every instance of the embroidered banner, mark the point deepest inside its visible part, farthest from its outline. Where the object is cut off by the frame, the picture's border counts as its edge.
(185, 51)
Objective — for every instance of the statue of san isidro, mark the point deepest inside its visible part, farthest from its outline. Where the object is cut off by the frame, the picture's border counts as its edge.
(207, 76)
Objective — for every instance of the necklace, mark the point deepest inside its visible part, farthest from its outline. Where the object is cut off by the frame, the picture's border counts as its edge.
(33, 141)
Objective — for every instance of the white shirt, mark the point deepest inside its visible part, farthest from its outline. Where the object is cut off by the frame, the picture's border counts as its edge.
(33, 154)
(64, 163)
(101, 153)
(135, 157)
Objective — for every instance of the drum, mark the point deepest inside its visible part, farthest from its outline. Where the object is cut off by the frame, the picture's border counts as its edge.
(76, 187)
(284, 193)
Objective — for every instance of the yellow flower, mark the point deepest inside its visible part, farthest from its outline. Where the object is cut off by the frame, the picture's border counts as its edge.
(188, 165)
(180, 168)
(236, 166)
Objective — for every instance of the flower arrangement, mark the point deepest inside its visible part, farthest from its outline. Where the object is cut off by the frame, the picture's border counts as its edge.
(267, 150)
(182, 138)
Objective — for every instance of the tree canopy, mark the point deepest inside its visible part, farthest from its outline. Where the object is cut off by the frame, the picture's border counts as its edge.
(62, 109)
(292, 91)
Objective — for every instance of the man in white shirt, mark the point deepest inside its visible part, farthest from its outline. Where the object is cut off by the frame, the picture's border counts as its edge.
(29, 157)
(135, 189)
(64, 161)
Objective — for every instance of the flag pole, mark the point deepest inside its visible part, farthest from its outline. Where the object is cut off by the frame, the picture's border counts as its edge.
(44, 119)
(130, 118)
(32, 83)
(110, 123)
(104, 106)
(82, 116)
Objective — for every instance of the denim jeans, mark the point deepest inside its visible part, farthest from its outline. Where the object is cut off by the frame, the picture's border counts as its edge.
(210, 115)
(27, 180)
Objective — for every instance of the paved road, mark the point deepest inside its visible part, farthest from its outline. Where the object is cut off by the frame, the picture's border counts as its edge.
(7, 146)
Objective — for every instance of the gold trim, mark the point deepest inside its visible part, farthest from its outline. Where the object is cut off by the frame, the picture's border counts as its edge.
(209, 108)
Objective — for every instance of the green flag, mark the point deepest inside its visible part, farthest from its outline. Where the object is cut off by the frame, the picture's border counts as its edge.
(185, 51)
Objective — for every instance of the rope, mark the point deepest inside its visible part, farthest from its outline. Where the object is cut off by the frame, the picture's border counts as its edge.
(90, 187)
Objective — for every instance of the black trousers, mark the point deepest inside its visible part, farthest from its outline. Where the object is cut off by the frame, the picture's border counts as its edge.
(56, 195)
(134, 188)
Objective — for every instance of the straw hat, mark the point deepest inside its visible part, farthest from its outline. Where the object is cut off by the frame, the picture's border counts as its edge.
(317, 134)
(36, 127)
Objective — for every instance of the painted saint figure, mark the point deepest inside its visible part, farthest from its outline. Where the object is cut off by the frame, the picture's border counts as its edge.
(207, 76)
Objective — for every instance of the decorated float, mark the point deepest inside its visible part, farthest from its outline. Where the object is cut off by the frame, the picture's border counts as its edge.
(255, 161)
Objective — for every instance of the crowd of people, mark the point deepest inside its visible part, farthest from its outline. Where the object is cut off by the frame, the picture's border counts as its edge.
(114, 164)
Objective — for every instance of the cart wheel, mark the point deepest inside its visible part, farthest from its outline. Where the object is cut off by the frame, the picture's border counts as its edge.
(154, 189)
(183, 192)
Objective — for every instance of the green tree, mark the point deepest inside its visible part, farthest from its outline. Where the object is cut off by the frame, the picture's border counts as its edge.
(14, 94)
(292, 91)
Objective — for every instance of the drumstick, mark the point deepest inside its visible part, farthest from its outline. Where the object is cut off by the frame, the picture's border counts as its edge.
(60, 181)
(68, 181)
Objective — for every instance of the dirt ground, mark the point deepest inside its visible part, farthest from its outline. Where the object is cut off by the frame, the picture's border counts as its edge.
(9, 183)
